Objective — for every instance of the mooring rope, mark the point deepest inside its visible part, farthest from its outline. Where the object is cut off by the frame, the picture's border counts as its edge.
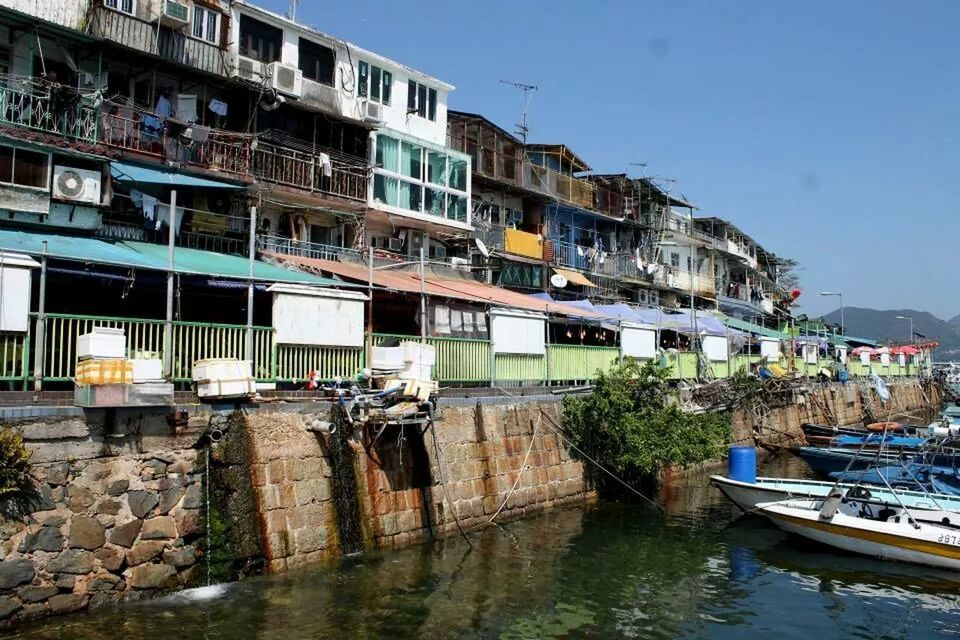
(523, 467)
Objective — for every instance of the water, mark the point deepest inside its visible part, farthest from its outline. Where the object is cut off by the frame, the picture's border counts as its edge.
(610, 571)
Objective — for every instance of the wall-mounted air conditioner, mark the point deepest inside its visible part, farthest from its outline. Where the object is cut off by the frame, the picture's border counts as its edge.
(462, 264)
(175, 15)
(395, 244)
(372, 111)
(285, 78)
(76, 185)
(248, 69)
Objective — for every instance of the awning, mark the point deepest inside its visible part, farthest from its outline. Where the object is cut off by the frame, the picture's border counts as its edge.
(141, 255)
(574, 277)
(135, 174)
(749, 327)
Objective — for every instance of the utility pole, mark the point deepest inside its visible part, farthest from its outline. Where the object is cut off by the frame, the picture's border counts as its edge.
(522, 128)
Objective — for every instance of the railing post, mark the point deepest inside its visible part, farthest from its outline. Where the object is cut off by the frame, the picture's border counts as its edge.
(168, 325)
(252, 252)
(41, 323)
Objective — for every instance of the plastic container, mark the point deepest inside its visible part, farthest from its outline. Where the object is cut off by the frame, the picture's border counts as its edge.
(147, 370)
(742, 465)
(102, 342)
(104, 371)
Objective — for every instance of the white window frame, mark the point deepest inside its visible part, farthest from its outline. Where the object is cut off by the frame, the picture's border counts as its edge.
(117, 5)
(10, 183)
(206, 15)
(369, 83)
(422, 181)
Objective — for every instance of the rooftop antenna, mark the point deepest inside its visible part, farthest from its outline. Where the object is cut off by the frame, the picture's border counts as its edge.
(522, 128)
(292, 13)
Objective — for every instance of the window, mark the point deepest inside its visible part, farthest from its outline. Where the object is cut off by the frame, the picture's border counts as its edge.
(421, 100)
(414, 178)
(375, 83)
(205, 24)
(675, 260)
(317, 62)
(24, 168)
(126, 6)
(259, 40)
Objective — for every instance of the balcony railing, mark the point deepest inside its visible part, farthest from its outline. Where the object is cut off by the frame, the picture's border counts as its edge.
(620, 264)
(58, 111)
(317, 251)
(679, 279)
(560, 185)
(113, 230)
(340, 176)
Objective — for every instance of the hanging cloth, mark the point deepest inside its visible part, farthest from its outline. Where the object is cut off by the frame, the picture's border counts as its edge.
(218, 107)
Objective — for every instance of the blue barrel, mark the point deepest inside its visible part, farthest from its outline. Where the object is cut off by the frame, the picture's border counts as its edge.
(742, 465)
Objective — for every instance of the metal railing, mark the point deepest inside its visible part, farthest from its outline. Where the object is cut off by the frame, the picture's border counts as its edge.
(458, 359)
(574, 363)
(14, 357)
(317, 251)
(295, 363)
(560, 185)
(615, 264)
(303, 170)
(115, 230)
(59, 110)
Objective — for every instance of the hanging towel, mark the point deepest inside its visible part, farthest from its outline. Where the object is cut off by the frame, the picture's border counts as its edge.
(199, 134)
(137, 198)
(164, 107)
(326, 164)
(219, 107)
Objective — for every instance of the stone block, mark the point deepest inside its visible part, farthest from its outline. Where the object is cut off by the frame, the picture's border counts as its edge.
(103, 582)
(65, 582)
(258, 474)
(275, 472)
(109, 507)
(182, 557)
(188, 522)
(388, 524)
(314, 515)
(86, 533)
(278, 546)
(110, 559)
(74, 561)
(61, 429)
(152, 576)
(142, 502)
(66, 603)
(269, 497)
(159, 528)
(44, 539)
(307, 540)
(294, 469)
(123, 535)
(79, 499)
(407, 521)
(287, 495)
(37, 593)
(181, 466)
(193, 498)
(277, 521)
(144, 552)
(8, 606)
(170, 498)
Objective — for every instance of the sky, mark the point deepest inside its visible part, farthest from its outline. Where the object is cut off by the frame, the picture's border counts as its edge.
(825, 130)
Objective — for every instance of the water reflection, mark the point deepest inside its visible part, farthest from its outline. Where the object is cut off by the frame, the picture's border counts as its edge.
(612, 571)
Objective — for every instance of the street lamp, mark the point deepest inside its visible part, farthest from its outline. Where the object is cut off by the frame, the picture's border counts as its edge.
(839, 295)
(911, 325)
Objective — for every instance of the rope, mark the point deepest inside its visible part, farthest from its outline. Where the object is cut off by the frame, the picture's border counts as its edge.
(523, 466)
(446, 496)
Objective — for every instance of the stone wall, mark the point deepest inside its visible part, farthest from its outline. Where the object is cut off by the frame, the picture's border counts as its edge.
(836, 404)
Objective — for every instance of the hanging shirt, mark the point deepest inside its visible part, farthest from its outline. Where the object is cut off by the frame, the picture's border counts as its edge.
(164, 107)
(219, 107)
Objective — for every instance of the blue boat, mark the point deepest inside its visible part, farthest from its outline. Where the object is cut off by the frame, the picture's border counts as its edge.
(828, 460)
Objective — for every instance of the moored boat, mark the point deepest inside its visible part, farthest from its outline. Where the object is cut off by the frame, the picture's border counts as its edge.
(827, 460)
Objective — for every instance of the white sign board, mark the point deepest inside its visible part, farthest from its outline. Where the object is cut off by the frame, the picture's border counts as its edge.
(714, 347)
(15, 291)
(518, 332)
(864, 357)
(842, 355)
(770, 348)
(322, 317)
(811, 354)
(902, 359)
(638, 342)
(885, 359)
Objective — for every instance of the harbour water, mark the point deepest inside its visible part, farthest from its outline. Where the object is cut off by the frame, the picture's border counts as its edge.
(613, 570)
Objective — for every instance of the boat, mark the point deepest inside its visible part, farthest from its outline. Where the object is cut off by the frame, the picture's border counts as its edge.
(747, 495)
(892, 533)
(827, 460)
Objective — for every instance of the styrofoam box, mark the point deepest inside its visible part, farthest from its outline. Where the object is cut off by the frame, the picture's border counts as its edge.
(145, 370)
(416, 371)
(386, 358)
(424, 354)
(214, 369)
(226, 388)
(102, 342)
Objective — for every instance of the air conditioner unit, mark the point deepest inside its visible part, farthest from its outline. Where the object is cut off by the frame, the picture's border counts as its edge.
(175, 15)
(395, 244)
(76, 185)
(248, 69)
(372, 111)
(285, 78)
(462, 264)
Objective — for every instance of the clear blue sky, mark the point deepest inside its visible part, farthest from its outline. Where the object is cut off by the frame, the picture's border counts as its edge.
(826, 130)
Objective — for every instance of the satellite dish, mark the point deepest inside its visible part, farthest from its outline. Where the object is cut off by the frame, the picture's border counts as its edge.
(558, 281)
(482, 247)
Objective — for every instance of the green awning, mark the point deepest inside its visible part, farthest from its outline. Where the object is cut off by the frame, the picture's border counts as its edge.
(142, 255)
(755, 329)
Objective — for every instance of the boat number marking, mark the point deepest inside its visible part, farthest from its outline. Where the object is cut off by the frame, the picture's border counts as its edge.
(946, 538)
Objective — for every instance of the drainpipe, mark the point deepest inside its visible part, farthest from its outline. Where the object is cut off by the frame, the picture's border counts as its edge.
(168, 325)
(252, 251)
(40, 354)
(370, 306)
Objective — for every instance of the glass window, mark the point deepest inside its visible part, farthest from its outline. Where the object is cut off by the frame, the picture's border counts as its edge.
(126, 6)
(317, 62)
(385, 190)
(198, 22)
(387, 86)
(364, 78)
(456, 208)
(410, 195)
(411, 96)
(458, 174)
(259, 40)
(211, 26)
(411, 160)
(434, 202)
(6, 164)
(674, 259)
(436, 168)
(422, 100)
(387, 153)
(375, 83)
(30, 168)
(432, 104)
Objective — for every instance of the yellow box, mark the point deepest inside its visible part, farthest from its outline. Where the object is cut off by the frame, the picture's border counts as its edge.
(108, 371)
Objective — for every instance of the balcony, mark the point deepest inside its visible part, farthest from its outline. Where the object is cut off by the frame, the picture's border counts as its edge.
(741, 296)
(341, 175)
(682, 280)
(612, 265)
(161, 42)
(146, 135)
(61, 112)
(116, 230)
(314, 250)
(559, 185)
(735, 248)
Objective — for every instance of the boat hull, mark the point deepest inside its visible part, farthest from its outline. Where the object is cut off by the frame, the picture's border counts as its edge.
(826, 461)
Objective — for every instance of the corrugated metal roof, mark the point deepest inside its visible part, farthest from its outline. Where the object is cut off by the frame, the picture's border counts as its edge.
(142, 255)
(135, 174)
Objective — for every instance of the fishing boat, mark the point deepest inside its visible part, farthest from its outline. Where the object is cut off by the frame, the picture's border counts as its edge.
(747, 495)
(827, 460)
(892, 533)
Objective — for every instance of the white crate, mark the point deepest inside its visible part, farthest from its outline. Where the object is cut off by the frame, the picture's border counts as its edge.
(422, 354)
(224, 388)
(214, 369)
(147, 370)
(386, 358)
(102, 342)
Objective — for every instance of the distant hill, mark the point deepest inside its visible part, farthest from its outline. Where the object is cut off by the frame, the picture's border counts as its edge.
(883, 325)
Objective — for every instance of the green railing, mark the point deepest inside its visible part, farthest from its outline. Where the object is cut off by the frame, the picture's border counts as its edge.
(14, 357)
(571, 362)
(520, 369)
(458, 359)
(43, 111)
(194, 341)
(294, 363)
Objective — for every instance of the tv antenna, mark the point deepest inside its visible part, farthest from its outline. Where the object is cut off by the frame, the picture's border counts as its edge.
(292, 13)
(522, 128)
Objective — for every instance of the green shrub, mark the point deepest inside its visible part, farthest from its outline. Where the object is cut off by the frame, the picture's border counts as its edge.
(14, 463)
(629, 426)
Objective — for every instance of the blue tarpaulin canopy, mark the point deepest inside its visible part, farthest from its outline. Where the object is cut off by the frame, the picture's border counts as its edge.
(135, 174)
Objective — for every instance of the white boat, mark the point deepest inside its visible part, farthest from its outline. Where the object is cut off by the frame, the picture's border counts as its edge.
(926, 506)
(850, 525)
